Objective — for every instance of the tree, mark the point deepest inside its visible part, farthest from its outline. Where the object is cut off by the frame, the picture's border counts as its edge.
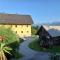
(4, 49)
(8, 34)
(34, 30)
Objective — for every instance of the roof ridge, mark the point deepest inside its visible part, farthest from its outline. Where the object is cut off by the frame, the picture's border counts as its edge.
(15, 14)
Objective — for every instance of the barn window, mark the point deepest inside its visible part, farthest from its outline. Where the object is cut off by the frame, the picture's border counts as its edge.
(47, 37)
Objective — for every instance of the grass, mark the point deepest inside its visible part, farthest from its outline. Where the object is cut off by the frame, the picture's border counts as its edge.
(17, 55)
(55, 49)
(36, 46)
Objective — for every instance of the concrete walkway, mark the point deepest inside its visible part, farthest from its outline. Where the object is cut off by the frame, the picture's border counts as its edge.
(30, 54)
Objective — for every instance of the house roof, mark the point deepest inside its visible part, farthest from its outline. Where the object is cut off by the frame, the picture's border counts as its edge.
(15, 19)
(54, 31)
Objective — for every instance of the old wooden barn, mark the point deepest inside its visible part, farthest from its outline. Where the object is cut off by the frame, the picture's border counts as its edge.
(49, 35)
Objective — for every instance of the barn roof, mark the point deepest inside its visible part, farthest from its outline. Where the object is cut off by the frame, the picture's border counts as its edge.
(15, 19)
(54, 31)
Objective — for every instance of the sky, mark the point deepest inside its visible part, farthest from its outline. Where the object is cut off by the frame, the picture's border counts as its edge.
(41, 11)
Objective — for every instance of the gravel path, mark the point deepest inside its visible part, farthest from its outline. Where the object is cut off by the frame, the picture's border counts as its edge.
(30, 54)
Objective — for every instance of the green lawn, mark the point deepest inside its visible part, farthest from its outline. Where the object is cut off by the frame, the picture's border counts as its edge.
(36, 46)
(17, 55)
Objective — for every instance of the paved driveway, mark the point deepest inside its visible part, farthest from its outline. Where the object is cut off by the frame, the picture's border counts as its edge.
(30, 54)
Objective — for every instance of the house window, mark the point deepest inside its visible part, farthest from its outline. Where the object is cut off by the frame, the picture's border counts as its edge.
(16, 31)
(11, 25)
(27, 25)
(15, 25)
(21, 31)
(21, 25)
(27, 31)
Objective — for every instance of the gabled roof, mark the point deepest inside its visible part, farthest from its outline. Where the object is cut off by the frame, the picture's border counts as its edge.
(15, 19)
(54, 31)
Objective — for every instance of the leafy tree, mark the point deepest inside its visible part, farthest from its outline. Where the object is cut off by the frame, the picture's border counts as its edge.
(34, 30)
(8, 34)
